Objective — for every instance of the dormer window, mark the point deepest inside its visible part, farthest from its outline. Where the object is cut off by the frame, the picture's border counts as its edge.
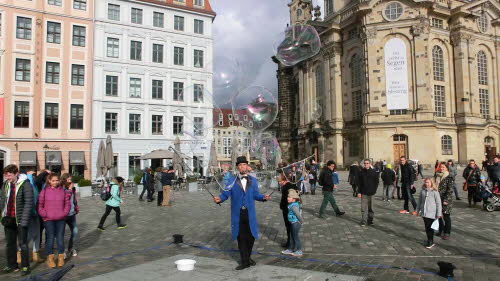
(299, 12)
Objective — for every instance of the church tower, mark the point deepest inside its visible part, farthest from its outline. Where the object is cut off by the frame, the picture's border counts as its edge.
(300, 11)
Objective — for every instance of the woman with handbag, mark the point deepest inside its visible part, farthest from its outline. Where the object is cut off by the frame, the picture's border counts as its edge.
(429, 208)
(445, 188)
(472, 176)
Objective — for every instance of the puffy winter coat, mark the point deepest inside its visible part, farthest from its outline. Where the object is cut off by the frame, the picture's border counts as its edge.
(23, 204)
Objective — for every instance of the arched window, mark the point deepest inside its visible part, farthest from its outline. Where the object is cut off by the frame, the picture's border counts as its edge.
(317, 107)
(356, 71)
(482, 68)
(319, 81)
(489, 141)
(299, 12)
(483, 23)
(438, 63)
(446, 145)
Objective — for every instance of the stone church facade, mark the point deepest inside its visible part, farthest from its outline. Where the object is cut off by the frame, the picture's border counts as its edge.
(394, 77)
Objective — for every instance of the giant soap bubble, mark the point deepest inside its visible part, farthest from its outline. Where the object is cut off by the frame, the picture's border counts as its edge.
(265, 147)
(300, 43)
(255, 107)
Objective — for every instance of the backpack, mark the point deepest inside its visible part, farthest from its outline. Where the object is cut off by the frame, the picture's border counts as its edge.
(106, 193)
(321, 179)
(413, 174)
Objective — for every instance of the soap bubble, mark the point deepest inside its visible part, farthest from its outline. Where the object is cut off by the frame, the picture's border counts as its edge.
(265, 147)
(300, 43)
(255, 107)
(313, 110)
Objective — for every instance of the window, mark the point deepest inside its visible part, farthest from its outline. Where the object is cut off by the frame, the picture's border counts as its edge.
(178, 91)
(55, 2)
(113, 47)
(439, 101)
(198, 93)
(353, 33)
(226, 146)
(23, 28)
(158, 19)
(78, 36)
(438, 63)
(76, 116)
(357, 105)
(398, 112)
(52, 73)
(113, 12)
(299, 12)
(135, 50)
(484, 103)
(179, 23)
(136, 16)
(356, 71)
(157, 89)
(245, 117)
(355, 146)
(198, 126)
(111, 86)
(134, 123)
(198, 26)
(482, 68)
(158, 53)
(77, 75)
(135, 87)
(437, 23)
(178, 56)
(178, 125)
(134, 164)
(53, 32)
(236, 117)
(221, 123)
(231, 123)
(446, 145)
(483, 22)
(51, 115)
(157, 125)
(329, 7)
(23, 70)
(198, 58)
(111, 123)
(80, 4)
(393, 11)
(21, 114)
(230, 116)
(198, 2)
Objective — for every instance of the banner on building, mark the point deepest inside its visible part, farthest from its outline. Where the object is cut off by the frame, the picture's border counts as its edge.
(1, 115)
(396, 74)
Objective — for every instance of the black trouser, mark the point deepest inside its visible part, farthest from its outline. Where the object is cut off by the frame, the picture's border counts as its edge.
(13, 234)
(407, 196)
(288, 226)
(149, 193)
(428, 229)
(106, 213)
(445, 224)
(160, 198)
(471, 194)
(144, 189)
(354, 189)
(245, 238)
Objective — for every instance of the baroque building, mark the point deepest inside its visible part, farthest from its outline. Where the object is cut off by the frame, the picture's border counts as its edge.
(409, 77)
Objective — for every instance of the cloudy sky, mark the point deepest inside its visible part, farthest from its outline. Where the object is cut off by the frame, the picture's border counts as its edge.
(246, 31)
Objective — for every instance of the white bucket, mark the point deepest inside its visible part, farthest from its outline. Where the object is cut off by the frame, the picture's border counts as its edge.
(185, 265)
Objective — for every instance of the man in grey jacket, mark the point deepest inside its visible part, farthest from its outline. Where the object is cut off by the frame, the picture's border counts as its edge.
(452, 169)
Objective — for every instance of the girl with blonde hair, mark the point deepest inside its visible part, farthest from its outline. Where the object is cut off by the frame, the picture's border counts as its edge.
(429, 208)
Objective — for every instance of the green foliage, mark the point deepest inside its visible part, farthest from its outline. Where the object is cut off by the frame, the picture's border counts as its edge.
(138, 173)
(76, 179)
(84, 182)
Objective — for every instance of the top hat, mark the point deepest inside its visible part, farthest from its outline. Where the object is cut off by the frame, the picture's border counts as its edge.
(241, 160)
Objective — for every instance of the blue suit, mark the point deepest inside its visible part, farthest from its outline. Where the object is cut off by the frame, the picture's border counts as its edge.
(240, 198)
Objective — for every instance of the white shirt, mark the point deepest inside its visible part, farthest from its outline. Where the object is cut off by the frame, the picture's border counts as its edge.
(243, 183)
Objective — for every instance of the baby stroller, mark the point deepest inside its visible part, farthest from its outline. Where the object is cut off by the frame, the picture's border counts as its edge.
(494, 195)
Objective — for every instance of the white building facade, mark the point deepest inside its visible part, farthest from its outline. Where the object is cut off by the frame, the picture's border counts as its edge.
(153, 63)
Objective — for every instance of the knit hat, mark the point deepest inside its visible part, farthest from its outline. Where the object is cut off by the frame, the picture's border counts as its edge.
(292, 193)
(389, 166)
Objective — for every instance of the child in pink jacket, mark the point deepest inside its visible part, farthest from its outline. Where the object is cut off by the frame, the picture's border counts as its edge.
(53, 206)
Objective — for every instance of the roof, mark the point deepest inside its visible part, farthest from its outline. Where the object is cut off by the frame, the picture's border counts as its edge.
(189, 6)
(225, 115)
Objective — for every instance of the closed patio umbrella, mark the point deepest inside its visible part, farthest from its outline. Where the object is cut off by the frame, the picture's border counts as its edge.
(100, 164)
(234, 154)
(213, 165)
(108, 156)
(177, 161)
(158, 154)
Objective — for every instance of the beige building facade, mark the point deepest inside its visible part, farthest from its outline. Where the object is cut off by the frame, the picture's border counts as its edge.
(45, 84)
(393, 78)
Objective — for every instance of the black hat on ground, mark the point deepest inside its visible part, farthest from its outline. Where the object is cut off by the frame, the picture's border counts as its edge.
(446, 269)
(241, 160)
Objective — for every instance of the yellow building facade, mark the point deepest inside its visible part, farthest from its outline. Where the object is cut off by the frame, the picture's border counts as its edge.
(393, 78)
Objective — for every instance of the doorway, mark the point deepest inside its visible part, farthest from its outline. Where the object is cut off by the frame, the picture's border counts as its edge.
(489, 148)
(400, 146)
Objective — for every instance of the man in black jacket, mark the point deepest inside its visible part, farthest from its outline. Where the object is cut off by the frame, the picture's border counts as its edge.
(353, 177)
(16, 204)
(148, 185)
(326, 180)
(494, 171)
(408, 175)
(167, 176)
(368, 184)
(472, 176)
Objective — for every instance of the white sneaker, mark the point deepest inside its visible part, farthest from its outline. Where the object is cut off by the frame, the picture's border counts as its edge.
(73, 253)
(65, 256)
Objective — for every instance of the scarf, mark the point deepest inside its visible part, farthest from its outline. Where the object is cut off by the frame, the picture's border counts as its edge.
(440, 176)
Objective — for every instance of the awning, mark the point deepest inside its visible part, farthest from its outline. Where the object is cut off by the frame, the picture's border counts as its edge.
(27, 158)
(53, 158)
(161, 154)
(76, 158)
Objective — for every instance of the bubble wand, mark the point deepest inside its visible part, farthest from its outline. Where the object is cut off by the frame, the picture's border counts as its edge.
(175, 151)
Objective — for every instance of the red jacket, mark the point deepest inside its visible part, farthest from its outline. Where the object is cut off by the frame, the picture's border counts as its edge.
(54, 203)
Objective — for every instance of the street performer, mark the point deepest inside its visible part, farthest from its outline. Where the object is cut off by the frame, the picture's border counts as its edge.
(244, 192)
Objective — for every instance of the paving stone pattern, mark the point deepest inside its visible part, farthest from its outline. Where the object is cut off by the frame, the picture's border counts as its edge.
(392, 249)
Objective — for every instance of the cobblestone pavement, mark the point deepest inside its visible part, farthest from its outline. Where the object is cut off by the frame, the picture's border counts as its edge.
(390, 250)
